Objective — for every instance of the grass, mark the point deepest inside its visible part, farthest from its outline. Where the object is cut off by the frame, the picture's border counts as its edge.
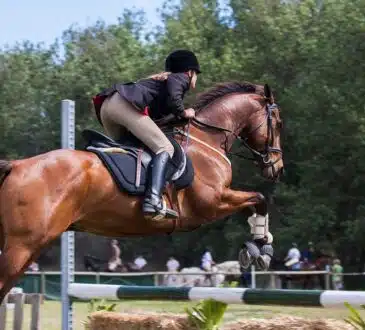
(51, 312)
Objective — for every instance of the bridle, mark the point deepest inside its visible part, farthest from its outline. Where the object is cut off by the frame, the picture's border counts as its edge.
(264, 155)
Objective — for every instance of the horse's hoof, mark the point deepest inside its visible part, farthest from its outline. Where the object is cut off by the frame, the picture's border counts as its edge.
(244, 258)
(267, 249)
(263, 262)
(253, 249)
(249, 252)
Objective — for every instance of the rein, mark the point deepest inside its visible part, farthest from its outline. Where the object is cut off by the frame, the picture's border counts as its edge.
(264, 156)
(187, 135)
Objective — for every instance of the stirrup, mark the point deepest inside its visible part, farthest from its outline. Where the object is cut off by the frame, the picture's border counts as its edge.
(160, 214)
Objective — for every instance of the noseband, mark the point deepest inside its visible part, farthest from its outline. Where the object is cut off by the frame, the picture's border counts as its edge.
(263, 156)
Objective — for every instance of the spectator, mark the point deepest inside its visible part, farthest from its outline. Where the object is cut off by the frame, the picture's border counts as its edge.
(337, 271)
(115, 261)
(308, 253)
(207, 260)
(33, 267)
(292, 258)
(139, 263)
(172, 265)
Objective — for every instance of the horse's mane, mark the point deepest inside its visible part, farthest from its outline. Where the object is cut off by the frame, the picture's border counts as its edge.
(223, 89)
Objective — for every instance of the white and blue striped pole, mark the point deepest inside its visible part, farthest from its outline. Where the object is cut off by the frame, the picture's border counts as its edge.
(68, 238)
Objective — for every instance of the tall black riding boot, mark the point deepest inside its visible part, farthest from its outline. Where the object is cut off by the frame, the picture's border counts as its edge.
(153, 203)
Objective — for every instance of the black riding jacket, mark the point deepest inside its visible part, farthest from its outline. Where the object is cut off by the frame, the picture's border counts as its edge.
(159, 98)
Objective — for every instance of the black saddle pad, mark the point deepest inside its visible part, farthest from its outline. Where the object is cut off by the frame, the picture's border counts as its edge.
(123, 166)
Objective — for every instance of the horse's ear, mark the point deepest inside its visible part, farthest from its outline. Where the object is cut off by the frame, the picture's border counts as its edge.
(268, 93)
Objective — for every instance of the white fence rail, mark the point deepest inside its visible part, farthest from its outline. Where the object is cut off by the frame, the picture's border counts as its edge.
(273, 277)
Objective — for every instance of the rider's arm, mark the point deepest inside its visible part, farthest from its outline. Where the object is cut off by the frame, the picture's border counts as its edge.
(177, 84)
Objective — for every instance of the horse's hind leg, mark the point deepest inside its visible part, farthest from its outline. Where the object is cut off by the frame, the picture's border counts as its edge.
(25, 236)
(25, 233)
(14, 259)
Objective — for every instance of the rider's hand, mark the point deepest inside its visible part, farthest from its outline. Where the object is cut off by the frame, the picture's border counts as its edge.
(188, 113)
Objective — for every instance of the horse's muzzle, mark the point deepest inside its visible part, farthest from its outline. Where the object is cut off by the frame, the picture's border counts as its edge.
(273, 172)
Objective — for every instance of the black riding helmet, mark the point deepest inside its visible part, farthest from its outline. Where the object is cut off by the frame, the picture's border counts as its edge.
(182, 60)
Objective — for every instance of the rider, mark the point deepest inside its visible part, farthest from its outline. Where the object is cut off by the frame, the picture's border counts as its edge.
(137, 105)
(207, 260)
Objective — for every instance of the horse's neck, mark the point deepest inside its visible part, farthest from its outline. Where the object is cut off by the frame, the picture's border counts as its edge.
(230, 113)
(214, 139)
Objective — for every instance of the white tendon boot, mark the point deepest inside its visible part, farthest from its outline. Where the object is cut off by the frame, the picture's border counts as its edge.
(254, 251)
(260, 227)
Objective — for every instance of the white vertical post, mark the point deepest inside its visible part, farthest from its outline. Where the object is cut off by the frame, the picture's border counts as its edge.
(68, 238)
(253, 277)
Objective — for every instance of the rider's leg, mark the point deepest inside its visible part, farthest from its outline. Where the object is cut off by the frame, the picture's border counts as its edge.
(112, 128)
(117, 110)
(153, 202)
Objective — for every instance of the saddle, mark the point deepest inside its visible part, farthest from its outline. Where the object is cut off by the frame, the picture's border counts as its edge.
(128, 162)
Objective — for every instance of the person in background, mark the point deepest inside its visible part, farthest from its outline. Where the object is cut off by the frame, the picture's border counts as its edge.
(33, 267)
(172, 265)
(308, 253)
(115, 261)
(337, 277)
(293, 257)
(207, 260)
(139, 263)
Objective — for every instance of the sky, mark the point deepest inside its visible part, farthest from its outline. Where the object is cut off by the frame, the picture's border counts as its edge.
(45, 20)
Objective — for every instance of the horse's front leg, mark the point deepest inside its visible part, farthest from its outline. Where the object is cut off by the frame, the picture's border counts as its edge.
(259, 250)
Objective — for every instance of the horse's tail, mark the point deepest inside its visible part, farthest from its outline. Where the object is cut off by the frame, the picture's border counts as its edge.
(5, 169)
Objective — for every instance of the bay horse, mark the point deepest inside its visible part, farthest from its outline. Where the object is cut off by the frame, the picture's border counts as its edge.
(43, 196)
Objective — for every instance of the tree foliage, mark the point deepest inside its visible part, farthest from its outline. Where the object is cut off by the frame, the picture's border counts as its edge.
(310, 51)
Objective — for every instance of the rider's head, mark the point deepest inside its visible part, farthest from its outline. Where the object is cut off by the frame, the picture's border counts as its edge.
(183, 60)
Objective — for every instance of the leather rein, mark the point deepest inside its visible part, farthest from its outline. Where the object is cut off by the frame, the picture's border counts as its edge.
(263, 156)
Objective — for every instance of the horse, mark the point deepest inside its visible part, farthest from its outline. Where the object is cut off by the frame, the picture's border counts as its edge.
(305, 282)
(95, 264)
(200, 277)
(233, 267)
(43, 196)
(230, 266)
(195, 276)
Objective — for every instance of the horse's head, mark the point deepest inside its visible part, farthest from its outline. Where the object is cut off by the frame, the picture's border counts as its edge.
(248, 112)
(262, 136)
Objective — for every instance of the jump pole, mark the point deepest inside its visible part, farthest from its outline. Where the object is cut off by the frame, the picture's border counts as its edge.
(305, 298)
(68, 238)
